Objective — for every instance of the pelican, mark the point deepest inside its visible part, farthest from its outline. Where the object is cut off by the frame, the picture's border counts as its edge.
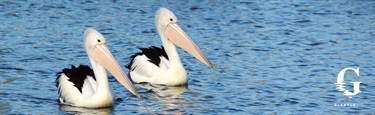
(163, 65)
(85, 87)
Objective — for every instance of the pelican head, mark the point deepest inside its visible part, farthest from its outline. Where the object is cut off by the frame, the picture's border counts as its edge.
(99, 53)
(166, 24)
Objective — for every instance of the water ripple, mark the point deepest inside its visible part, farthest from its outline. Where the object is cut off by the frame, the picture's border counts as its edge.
(270, 56)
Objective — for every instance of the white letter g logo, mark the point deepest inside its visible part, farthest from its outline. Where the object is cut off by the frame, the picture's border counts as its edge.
(340, 83)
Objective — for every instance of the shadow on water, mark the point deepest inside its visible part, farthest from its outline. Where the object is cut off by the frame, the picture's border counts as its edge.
(169, 98)
(85, 111)
(164, 91)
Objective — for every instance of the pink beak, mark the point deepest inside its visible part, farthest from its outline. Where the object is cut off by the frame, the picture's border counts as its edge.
(177, 36)
(104, 57)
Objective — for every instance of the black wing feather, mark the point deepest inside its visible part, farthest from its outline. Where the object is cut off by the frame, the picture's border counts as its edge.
(76, 75)
(153, 53)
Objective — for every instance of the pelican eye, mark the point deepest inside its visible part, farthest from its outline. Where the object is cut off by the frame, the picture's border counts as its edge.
(99, 40)
(171, 19)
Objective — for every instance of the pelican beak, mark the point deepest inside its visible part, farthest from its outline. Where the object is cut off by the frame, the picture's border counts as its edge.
(177, 36)
(103, 56)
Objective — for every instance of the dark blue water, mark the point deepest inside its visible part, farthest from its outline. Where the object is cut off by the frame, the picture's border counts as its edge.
(272, 57)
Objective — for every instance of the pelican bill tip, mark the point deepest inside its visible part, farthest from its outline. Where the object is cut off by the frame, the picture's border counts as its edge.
(213, 67)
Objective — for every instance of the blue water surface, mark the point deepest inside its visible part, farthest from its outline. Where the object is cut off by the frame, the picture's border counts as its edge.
(272, 57)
